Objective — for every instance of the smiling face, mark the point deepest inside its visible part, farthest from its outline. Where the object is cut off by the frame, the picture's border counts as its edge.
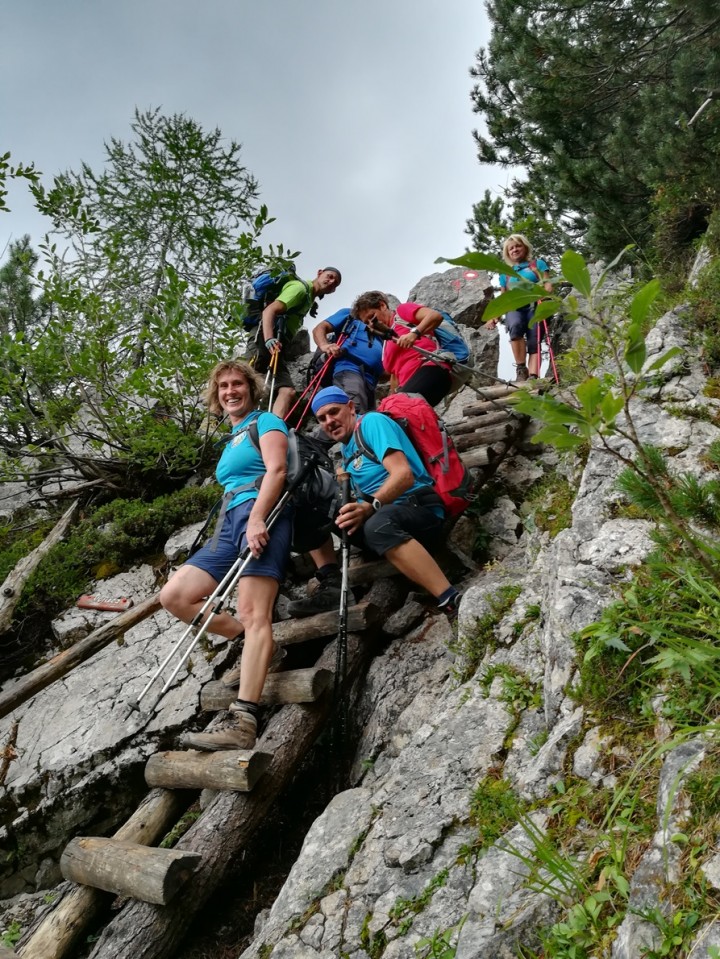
(337, 420)
(517, 251)
(234, 395)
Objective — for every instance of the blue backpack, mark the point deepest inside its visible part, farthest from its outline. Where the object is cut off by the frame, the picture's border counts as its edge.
(451, 339)
(262, 288)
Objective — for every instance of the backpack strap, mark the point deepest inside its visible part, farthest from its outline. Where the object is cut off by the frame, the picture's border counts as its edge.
(361, 445)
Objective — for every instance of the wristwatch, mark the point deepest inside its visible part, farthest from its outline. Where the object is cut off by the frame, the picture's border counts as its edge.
(376, 504)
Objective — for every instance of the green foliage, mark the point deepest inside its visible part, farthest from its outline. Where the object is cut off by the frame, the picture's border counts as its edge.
(180, 828)
(518, 691)
(593, 102)
(494, 809)
(104, 369)
(533, 215)
(550, 504)
(470, 648)
(113, 537)
(11, 935)
(20, 171)
(703, 319)
(439, 945)
(403, 911)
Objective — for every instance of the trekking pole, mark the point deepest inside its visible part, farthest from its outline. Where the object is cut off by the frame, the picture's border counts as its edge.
(273, 368)
(551, 352)
(339, 696)
(313, 385)
(220, 594)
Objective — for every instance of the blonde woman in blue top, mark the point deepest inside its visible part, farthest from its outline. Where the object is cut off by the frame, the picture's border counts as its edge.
(259, 477)
(524, 339)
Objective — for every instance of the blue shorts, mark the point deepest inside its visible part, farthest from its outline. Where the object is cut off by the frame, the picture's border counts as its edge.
(232, 541)
(517, 323)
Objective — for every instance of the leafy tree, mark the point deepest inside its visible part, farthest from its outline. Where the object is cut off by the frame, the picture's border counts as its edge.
(593, 100)
(142, 299)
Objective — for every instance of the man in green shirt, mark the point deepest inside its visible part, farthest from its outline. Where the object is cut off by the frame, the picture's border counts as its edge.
(280, 321)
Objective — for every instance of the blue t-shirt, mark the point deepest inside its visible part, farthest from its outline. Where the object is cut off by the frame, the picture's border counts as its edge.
(361, 355)
(240, 462)
(526, 272)
(382, 435)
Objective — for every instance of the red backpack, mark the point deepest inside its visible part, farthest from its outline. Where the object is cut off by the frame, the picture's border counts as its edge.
(426, 431)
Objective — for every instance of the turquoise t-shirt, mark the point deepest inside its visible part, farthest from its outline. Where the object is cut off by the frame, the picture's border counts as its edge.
(526, 272)
(382, 435)
(240, 462)
(298, 298)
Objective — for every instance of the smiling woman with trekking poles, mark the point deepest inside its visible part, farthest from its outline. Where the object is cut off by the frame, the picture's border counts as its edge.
(524, 339)
(253, 482)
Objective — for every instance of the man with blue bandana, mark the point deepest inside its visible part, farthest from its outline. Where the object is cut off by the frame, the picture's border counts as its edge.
(396, 513)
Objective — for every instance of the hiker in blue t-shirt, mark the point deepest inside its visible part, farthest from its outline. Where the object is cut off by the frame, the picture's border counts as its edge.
(396, 514)
(524, 339)
(358, 364)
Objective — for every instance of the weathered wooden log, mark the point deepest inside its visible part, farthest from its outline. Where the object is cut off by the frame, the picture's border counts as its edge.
(493, 434)
(128, 869)
(292, 631)
(294, 686)
(236, 769)
(11, 589)
(477, 422)
(475, 409)
(482, 456)
(369, 572)
(60, 665)
(56, 933)
(143, 931)
(493, 392)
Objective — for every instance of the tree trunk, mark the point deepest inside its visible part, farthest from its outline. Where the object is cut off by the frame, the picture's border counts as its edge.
(61, 664)
(12, 588)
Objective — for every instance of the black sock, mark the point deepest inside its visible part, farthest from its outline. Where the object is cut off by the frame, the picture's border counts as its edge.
(451, 595)
(245, 706)
(329, 569)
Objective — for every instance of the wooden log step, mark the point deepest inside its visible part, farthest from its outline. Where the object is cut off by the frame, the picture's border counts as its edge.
(485, 437)
(58, 931)
(482, 456)
(477, 422)
(294, 686)
(232, 769)
(494, 392)
(487, 406)
(368, 572)
(292, 631)
(127, 869)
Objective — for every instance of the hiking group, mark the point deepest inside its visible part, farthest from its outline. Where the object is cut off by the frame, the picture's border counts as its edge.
(407, 478)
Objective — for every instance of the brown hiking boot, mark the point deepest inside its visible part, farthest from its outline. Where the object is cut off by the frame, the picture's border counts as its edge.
(238, 732)
(521, 373)
(232, 678)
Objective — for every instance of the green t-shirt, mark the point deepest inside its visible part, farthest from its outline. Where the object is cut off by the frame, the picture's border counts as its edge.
(298, 298)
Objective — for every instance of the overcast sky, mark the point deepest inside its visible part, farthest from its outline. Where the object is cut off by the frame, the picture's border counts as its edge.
(355, 117)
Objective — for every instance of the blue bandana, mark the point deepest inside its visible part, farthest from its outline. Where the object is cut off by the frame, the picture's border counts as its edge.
(331, 394)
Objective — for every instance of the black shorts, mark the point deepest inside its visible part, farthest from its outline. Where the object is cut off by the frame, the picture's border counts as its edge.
(431, 381)
(397, 523)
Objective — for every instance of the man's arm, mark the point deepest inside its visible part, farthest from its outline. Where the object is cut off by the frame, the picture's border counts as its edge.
(320, 335)
(399, 480)
(271, 314)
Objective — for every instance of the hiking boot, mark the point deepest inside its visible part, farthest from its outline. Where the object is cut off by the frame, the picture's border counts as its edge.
(239, 731)
(232, 678)
(324, 598)
(521, 373)
(451, 607)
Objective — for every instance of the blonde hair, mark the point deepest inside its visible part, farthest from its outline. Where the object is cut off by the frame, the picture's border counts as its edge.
(255, 383)
(515, 238)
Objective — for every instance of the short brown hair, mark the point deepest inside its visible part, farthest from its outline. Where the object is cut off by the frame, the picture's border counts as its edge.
(255, 383)
(369, 301)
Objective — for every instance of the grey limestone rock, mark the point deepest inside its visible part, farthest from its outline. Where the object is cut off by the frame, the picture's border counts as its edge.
(462, 293)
